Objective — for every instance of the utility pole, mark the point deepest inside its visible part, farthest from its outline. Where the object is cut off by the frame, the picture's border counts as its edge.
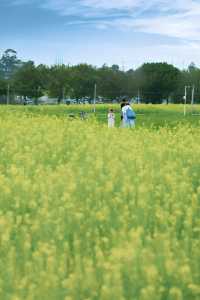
(63, 95)
(37, 95)
(192, 99)
(185, 99)
(193, 91)
(138, 97)
(8, 94)
(95, 96)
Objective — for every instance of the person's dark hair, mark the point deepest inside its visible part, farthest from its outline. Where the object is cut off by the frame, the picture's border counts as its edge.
(111, 110)
(123, 103)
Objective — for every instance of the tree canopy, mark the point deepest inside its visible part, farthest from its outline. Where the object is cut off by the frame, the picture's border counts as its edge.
(152, 82)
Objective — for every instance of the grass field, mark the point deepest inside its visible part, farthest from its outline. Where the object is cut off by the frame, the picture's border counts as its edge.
(91, 213)
(147, 115)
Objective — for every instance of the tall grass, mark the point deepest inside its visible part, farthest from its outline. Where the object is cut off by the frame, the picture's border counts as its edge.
(88, 212)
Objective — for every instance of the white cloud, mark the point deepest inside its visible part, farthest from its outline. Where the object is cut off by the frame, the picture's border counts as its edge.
(173, 18)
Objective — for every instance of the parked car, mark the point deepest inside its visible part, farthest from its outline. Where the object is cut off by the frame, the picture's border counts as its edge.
(28, 101)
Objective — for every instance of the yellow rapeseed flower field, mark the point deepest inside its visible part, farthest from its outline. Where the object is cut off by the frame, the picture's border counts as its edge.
(91, 213)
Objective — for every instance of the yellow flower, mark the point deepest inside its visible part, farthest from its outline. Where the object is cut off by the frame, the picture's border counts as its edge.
(175, 294)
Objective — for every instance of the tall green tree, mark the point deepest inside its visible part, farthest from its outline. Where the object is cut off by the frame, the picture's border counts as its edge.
(3, 87)
(83, 79)
(9, 63)
(193, 79)
(59, 82)
(111, 82)
(157, 81)
(27, 82)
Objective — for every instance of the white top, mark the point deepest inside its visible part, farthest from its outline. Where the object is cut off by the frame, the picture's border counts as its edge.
(124, 109)
(111, 116)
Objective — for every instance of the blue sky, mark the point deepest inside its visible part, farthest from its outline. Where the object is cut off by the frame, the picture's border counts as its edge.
(126, 32)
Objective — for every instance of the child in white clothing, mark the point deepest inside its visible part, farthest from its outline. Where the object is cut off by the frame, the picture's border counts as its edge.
(111, 119)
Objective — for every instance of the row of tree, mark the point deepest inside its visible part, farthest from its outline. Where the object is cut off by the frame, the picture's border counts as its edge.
(152, 82)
